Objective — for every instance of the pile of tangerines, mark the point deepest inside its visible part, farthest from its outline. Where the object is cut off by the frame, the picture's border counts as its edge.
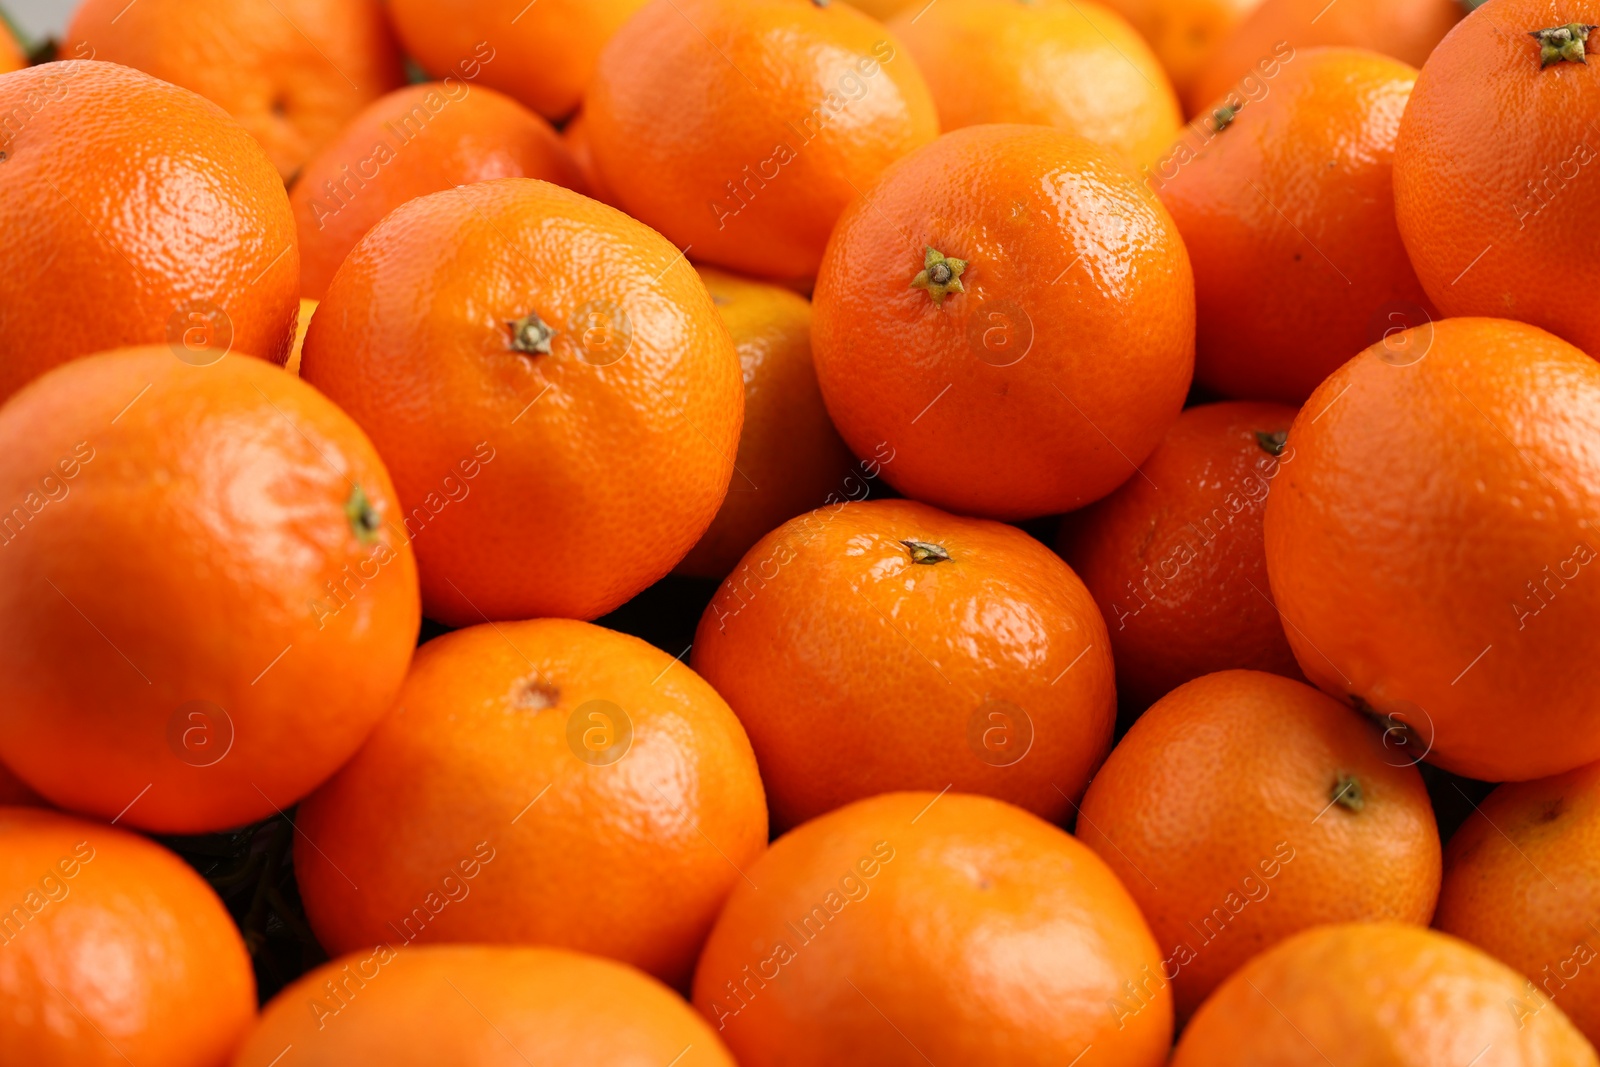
(1119, 590)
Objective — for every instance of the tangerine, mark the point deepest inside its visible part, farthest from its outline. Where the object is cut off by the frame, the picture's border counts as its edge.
(1175, 557)
(1248, 59)
(113, 951)
(551, 47)
(887, 645)
(1184, 33)
(206, 600)
(1494, 207)
(1071, 64)
(1229, 845)
(783, 112)
(551, 386)
(545, 782)
(1522, 882)
(422, 139)
(1375, 993)
(1288, 215)
(12, 55)
(916, 928)
(500, 1006)
(1427, 546)
(980, 316)
(127, 231)
(293, 72)
(790, 458)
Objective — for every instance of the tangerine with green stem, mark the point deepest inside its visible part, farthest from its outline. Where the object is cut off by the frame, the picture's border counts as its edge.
(1493, 163)
(1019, 352)
(1175, 557)
(551, 386)
(1288, 216)
(212, 600)
(888, 645)
(1230, 845)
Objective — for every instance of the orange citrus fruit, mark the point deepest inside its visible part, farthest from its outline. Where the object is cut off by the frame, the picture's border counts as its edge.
(783, 111)
(1230, 845)
(790, 457)
(545, 782)
(542, 54)
(478, 1006)
(550, 385)
(1522, 882)
(917, 928)
(1072, 64)
(125, 230)
(1288, 215)
(1175, 557)
(1274, 33)
(113, 951)
(293, 72)
(421, 139)
(206, 596)
(1016, 358)
(888, 645)
(12, 57)
(1375, 993)
(1184, 33)
(1493, 163)
(1427, 545)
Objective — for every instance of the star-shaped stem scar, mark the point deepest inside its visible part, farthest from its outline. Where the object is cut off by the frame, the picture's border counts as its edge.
(1562, 44)
(940, 275)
